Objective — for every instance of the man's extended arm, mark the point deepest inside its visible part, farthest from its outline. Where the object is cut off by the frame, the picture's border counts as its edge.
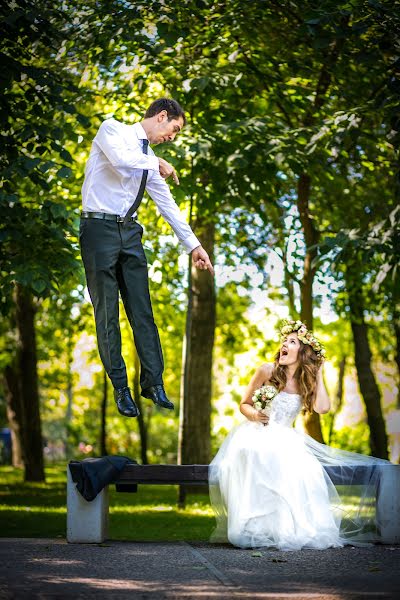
(160, 193)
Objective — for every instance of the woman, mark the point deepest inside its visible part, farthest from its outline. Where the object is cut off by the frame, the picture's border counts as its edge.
(269, 485)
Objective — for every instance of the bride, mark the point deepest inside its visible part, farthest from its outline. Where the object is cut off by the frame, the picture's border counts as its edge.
(269, 483)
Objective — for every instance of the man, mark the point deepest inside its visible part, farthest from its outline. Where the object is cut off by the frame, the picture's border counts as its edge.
(119, 168)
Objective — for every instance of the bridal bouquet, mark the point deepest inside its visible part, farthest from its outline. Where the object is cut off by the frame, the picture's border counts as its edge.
(263, 397)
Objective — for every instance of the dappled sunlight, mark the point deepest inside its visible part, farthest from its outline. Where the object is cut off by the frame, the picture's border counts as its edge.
(54, 562)
(196, 589)
(139, 508)
(205, 511)
(33, 510)
(179, 569)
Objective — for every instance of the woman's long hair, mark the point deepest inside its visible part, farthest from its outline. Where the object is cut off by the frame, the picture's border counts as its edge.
(305, 375)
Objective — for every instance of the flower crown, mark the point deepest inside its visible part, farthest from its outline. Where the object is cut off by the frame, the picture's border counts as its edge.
(304, 335)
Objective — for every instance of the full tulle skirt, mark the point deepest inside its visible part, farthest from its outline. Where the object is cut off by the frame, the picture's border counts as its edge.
(271, 486)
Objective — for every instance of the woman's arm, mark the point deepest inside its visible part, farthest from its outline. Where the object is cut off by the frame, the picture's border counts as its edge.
(247, 409)
(322, 402)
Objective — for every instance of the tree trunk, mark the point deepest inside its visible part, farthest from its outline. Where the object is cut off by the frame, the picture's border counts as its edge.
(396, 322)
(103, 426)
(363, 356)
(143, 429)
(311, 420)
(14, 413)
(27, 370)
(339, 397)
(288, 279)
(195, 410)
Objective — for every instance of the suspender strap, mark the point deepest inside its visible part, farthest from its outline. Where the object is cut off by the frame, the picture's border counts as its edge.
(140, 193)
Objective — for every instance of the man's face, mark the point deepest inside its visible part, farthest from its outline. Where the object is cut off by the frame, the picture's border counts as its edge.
(164, 130)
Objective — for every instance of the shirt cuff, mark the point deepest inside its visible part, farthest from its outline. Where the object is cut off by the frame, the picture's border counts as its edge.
(154, 165)
(190, 243)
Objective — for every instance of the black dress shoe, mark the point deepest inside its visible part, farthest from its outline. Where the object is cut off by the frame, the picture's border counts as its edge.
(125, 403)
(157, 394)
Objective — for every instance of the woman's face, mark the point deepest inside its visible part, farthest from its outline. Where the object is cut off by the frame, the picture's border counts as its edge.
(289, 351)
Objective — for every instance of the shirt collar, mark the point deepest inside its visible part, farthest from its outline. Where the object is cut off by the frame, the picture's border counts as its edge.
(140, 132)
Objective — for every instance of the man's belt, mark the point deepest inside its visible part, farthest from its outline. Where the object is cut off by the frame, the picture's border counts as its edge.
(104, 216)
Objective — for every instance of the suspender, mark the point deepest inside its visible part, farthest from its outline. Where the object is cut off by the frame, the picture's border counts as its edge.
(140, 193)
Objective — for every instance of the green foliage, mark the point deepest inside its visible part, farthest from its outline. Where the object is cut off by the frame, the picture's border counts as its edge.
(378, 246)
(39, 108)
(353, 439)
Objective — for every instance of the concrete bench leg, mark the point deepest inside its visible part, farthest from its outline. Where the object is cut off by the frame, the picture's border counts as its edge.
(388, 505)
(87, 522)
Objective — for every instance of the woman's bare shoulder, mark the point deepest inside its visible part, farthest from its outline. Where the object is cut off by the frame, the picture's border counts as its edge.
(266, 370)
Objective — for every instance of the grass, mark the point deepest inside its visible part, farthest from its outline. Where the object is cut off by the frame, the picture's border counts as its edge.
(151, 514)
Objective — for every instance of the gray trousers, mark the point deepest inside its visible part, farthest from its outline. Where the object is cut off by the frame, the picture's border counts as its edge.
(115, 263)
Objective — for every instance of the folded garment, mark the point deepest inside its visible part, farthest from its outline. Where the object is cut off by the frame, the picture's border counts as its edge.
(91, 475)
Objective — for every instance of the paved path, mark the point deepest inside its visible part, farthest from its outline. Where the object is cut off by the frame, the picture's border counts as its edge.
(44, 569)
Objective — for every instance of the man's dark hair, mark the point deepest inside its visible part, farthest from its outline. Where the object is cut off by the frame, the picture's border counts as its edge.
(174, 110)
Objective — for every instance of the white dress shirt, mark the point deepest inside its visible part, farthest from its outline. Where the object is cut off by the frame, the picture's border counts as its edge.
(113, 173)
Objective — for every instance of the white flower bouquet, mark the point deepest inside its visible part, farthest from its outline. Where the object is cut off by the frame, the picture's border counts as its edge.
(262, 398)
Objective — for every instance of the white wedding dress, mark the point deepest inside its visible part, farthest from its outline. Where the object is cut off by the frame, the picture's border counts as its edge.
(269, 487)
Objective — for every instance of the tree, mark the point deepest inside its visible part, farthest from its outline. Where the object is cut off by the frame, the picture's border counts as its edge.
(37, 253)
(367, 381)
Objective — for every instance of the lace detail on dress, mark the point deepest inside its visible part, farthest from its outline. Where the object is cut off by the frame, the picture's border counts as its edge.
(285, 408)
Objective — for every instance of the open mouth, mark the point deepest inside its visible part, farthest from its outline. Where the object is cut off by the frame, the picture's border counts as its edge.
(284, 352)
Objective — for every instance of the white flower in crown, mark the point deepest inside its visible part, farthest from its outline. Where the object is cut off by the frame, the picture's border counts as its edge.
(286, 330)
(302, 330)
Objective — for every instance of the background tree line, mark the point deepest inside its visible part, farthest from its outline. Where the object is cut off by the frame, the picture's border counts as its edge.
(291, 153)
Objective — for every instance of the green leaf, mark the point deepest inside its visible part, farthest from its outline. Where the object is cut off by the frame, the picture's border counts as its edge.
(64, 172)
(65, 155)
(39, 285)
(58, 210)
(30, 163)
(45, 166)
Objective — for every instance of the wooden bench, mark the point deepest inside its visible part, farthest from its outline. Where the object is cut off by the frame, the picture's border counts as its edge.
(87, 522)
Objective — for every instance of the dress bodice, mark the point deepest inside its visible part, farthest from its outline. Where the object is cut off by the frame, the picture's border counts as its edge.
(285, 408)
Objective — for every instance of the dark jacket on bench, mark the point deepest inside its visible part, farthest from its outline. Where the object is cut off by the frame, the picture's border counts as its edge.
(91, 475)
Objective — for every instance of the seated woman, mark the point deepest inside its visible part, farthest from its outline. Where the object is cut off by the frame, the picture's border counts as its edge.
(268, 484)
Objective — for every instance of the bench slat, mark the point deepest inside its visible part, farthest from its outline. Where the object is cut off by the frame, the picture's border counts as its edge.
(198, 474)
(164, 474)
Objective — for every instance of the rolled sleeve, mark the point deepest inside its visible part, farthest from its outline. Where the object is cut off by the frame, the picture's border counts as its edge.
(119, 152)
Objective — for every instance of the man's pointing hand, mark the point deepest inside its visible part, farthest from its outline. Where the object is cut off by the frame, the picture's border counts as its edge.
(166, 170)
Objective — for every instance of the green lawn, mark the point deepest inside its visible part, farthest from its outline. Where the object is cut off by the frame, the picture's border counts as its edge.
(39, 510)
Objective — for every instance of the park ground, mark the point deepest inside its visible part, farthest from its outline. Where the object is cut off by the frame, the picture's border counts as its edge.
(159, 551)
